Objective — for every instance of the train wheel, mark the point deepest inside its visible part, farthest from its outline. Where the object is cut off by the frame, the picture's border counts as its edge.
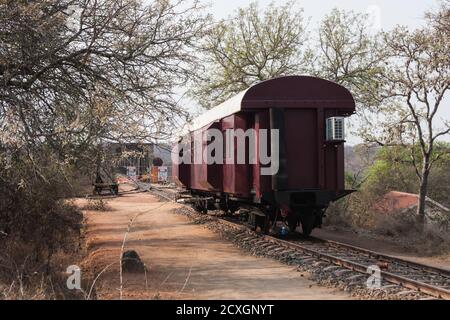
(197, 207)
(201, 206)
(260, 223)
(251, 221)
(229, 207)
(307, 224)
(114, 190)
(292, 223)
(267, 224)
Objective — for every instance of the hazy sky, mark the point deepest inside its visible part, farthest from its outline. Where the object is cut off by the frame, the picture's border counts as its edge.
(385, 14)
(390, 12)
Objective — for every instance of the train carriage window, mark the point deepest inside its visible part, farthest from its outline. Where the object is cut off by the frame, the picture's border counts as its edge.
(335, 129)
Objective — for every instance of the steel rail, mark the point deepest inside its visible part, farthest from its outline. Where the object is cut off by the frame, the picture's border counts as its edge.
(386, 257)
(435, 291)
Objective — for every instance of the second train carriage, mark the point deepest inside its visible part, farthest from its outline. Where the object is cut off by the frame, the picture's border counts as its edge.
(308, 114)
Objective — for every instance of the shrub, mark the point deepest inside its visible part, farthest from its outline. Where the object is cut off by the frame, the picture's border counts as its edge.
(97, 205)
(403, 227)
(36, 222)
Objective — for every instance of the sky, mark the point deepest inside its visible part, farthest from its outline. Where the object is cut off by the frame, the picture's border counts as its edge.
(384, 15)
(389, 12)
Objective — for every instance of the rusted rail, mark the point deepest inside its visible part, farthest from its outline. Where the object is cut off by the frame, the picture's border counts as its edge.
(342, 260)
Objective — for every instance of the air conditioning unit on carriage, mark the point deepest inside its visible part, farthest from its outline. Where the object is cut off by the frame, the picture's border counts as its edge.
(335, 129)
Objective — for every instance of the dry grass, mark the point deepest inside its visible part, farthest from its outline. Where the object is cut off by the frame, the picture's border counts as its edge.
(356, 213)
(403, 227)
(23, 278)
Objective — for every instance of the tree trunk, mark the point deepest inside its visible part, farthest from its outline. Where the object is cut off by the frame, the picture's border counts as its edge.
(423, 190)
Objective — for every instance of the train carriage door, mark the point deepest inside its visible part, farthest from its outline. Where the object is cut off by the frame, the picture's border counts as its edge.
(214, 173)
(302, 155)
(182, 171)
(261, 183)
(236, 177)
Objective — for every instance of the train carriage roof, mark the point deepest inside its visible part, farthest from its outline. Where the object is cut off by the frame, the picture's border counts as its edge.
(283, 92)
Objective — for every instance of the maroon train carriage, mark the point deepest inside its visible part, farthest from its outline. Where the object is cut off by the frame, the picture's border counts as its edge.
(309, 114)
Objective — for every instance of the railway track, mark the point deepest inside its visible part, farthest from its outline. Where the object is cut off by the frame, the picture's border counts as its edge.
(425, 279)
(404, 275)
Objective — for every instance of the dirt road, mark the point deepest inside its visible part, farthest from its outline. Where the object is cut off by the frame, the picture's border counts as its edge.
(184, 260)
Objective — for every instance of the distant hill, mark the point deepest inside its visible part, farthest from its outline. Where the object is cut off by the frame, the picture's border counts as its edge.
(359, 157)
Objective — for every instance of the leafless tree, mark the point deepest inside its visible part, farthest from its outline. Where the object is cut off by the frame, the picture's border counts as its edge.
(250, 46)
(74, 74)
(350, 53)
(78, 69)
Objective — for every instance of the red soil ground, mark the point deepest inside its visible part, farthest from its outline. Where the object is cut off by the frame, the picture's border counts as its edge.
(184, 260)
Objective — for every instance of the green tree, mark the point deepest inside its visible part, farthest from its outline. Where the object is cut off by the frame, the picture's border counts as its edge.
(249, 47)
(391, 170)
(414, 90)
